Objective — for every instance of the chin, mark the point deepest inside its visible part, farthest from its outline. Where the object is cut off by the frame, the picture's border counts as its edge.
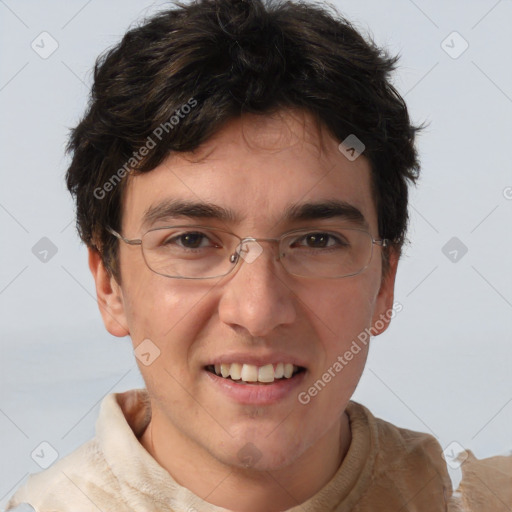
(262, 453)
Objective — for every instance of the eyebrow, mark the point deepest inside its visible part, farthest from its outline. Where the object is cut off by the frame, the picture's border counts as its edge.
(330, 209)
(170, 209)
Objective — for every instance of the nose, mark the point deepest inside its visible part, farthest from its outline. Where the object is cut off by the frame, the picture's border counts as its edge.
(257, 296)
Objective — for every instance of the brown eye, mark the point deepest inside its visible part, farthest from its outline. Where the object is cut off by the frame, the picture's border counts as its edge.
(320, 241)
(188, 240)
(191, 240)
(317, 239)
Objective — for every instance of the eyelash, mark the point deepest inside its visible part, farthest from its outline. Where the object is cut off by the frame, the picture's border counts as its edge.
(302, 238)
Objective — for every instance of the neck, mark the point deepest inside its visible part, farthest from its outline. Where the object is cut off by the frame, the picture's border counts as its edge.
(247, 490)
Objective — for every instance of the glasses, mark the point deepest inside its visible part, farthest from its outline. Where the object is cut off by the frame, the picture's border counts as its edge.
(199, 252)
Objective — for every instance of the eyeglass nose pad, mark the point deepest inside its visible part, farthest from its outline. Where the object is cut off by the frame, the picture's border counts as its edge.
(249, 249)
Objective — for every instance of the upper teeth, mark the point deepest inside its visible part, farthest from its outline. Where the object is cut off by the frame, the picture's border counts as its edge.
(252, 373)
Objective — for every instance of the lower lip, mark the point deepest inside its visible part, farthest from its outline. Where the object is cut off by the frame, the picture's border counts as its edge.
(257, 394)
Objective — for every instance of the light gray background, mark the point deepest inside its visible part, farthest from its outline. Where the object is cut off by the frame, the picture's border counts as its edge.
(444, 365)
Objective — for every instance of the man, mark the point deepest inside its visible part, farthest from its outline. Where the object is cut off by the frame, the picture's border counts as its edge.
(241, 181)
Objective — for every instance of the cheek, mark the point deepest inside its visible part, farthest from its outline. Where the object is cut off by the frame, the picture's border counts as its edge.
(342, 309)
(170, 315)
(163, 310)
(341, 314)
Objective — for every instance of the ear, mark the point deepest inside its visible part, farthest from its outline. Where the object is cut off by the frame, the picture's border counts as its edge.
(384, 310)
(109, 295)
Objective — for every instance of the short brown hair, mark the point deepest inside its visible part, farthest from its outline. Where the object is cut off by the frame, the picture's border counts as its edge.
(229, 57)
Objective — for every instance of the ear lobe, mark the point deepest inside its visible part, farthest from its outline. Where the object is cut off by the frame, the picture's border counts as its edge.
(384, 303)
(109, 296)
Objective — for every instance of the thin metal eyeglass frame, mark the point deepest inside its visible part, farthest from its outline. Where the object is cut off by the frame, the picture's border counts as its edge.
(381, 242)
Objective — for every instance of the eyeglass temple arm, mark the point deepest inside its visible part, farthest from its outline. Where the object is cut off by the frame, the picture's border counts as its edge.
(136, 241)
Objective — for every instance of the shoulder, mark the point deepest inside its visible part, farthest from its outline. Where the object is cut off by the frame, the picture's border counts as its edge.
(85, 478)
(400, 447)
(486, 484)
(75, 479)
(408, 470)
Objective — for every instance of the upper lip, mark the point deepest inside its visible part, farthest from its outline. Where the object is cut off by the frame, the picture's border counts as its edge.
(256, 360)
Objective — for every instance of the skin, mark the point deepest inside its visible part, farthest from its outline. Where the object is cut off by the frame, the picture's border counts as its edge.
(256, 166)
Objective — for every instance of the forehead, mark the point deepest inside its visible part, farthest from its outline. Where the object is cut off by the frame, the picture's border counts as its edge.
(257, 171)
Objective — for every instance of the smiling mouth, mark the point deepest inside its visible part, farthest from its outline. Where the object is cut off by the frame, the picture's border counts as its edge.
(242, 373)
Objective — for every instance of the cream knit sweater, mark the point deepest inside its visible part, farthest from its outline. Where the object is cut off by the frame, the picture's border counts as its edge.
(386, 469)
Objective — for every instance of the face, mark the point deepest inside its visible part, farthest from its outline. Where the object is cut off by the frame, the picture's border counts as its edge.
(258, 315)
